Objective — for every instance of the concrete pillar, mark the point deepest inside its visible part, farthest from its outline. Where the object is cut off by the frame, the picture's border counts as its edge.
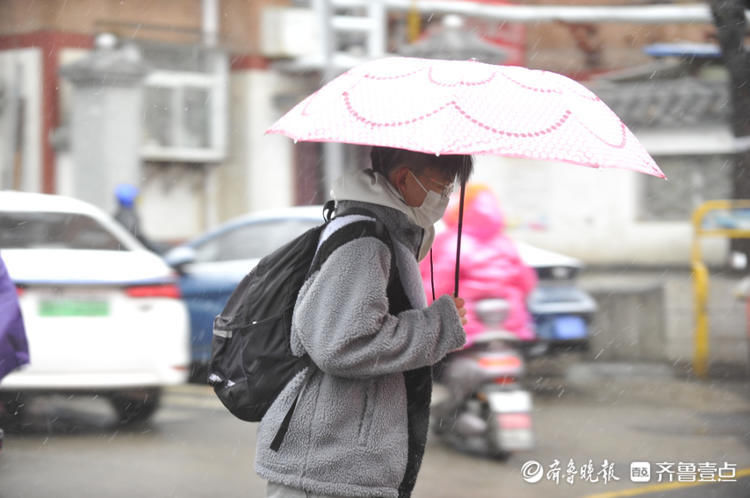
(629, 324)
(105, 125)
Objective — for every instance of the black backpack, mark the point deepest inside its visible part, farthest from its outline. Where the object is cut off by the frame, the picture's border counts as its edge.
(251, 358)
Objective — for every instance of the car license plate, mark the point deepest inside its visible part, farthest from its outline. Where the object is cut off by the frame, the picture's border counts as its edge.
(510, 402)
(73, 307)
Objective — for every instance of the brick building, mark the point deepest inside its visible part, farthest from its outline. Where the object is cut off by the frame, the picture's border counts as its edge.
(206, 100)
(218, 73)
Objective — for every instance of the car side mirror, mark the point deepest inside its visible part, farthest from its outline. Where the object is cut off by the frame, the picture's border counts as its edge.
(179, 257)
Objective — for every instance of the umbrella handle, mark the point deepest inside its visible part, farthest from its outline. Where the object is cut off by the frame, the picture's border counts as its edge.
(458, 239)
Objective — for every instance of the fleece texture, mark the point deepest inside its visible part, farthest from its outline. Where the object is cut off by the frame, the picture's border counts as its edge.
(366, 185)
(352, 432)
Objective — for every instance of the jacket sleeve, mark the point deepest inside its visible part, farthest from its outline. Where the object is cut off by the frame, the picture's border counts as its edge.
(341, 318)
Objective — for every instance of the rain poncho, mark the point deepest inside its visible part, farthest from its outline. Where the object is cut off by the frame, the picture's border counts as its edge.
(14, 349)
(490, 264)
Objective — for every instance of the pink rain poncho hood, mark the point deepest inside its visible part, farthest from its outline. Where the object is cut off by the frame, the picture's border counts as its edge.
(490, 264)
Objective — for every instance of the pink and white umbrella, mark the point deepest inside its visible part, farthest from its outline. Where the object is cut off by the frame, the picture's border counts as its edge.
(467, 107)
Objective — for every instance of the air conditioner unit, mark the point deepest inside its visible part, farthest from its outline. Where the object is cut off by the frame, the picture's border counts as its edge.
(289, 32)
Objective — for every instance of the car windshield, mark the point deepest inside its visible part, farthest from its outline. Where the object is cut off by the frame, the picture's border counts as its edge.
(34, 230)
(251, 241)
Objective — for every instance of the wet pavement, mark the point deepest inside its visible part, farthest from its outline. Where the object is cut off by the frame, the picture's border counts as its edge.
(194, 448)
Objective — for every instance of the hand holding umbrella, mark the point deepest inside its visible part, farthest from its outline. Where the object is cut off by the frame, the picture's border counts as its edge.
(461, 309)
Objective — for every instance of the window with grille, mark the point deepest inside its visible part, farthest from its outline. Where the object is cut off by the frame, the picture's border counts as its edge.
(184, 111)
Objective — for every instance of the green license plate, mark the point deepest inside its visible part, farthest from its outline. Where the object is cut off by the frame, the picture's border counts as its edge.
(71, 307)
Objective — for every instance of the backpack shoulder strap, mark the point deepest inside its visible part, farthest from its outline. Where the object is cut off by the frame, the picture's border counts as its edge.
(363, 223)
(369, 226)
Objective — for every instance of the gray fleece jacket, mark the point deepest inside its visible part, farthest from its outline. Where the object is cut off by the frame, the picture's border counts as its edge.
(349, 431)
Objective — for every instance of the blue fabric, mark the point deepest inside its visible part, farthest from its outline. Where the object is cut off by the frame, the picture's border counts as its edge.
(14, 348)
(126, 194)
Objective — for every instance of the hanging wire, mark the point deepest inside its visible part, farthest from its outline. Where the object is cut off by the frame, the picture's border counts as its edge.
(432, 277)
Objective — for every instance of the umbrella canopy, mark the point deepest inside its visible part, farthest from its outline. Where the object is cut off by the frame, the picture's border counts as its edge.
(467, 107)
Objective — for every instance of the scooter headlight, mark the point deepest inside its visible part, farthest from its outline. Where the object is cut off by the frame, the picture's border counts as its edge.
(492, 312)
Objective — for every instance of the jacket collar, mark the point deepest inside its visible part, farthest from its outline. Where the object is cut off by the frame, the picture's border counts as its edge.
(373, 189)
(399, 226)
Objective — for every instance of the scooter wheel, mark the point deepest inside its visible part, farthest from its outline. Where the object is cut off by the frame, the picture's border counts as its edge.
(500, 456)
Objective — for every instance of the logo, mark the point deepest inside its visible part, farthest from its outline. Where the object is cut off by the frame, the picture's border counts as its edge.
(640, 471)
(532, 471)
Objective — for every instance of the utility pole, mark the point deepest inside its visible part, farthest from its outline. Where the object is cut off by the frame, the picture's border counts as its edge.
(15, 112)
(333, 154)
(210, 39)
(731, 30)
(370, 24)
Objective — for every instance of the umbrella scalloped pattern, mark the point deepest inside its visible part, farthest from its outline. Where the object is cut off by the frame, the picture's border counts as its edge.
(467, 107)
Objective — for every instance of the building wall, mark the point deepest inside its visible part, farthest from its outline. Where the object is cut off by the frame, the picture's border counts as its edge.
(164, 20)
(258, 174)
(64, 165)
(178, 200)
(240, 23)
(258, 171)
(49, 45)
(650, 316)
(173, 200)
(558, 46)
(21, 69)
(86, 16)
(591, 214)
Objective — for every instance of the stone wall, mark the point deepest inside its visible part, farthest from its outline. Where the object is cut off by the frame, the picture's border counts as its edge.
(648, 316)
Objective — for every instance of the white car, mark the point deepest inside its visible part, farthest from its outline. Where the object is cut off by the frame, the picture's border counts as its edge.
(102, 313)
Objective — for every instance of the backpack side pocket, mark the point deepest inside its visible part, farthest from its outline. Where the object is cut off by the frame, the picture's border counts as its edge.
(250, 362)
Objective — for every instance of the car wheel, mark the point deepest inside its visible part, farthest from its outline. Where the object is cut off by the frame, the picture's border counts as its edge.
(12, 407)
(135, 406)
(500, 456)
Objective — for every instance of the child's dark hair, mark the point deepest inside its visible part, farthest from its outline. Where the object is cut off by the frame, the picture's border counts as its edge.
(386, 159)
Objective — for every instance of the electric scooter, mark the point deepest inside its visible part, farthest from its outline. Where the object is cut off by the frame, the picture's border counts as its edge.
(485, 409)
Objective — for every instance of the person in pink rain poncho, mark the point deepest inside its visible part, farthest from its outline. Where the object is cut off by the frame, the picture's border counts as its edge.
(490, 264)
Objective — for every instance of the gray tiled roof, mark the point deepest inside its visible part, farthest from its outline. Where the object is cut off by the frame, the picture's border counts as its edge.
(667, 103)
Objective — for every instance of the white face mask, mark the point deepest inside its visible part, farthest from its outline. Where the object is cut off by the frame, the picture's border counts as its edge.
(432, 208)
